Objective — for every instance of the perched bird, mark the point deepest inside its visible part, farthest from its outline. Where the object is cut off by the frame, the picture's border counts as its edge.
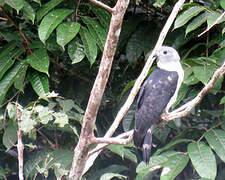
(157, 95)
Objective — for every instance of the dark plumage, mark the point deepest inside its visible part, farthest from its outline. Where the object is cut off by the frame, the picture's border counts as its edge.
(154, 96)
(157, 95)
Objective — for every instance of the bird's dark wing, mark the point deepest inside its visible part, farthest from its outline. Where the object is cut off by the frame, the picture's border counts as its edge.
(154, 96)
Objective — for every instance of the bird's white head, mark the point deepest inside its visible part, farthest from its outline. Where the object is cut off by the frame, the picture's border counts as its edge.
(168, 58)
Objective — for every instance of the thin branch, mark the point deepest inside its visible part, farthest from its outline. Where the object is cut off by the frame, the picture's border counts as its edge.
(3, 19)
(128, 134)
(76, 12)
(100, 4)
(114, 140)
(16, 26)
(20, 146)
(210, 27)
(217, 125)
(186, 108)
(53, 146)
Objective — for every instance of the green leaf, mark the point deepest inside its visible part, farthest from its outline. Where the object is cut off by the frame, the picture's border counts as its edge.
(171, 145)
(44, 114)
(110, 169)
(28, 11)
(181, 94)
(46, 8)
(6, 61)
(128, 118)
(123, 152)
(27, 123)
(39, 60)
(222, 4)
(135, 45)
(196, 22)
(109, 176)
(127, 87)
(103, 15)
(175, 164)
(39, 82)
(11, 109)
(89, 43)
(65, 32)
(216, 140)
(159, 3)
(9, 78)
(76, 51)
(204, 73)
(155, 162)
(188, 14)
(61, 119)
(213, 16)
(2, 173)
(96, 30)
(51, 21)
(66, 105)
(222, 101)
(37, 1)
(19, 79)
(223, 31)
(16, 4)
(35, 159)
(10, 136)
(203, 159)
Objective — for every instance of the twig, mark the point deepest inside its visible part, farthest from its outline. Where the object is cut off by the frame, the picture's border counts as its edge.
(3, 19)
(210, 27)
(20, 146)
(186, 108)
(62, 66)
(219, 124)
(138, 82)
(128, 134)
(76, 12)
(115, 140)
(100, 4)
(49, 142)
(26, 39)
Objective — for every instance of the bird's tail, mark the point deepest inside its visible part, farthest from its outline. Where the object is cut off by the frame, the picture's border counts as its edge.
(138, 138)
(147, 145)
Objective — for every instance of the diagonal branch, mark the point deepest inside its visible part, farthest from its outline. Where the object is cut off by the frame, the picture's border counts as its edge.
(100, 4)
(186, 108)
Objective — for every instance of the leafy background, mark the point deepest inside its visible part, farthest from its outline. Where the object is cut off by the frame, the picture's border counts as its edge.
(56, 45)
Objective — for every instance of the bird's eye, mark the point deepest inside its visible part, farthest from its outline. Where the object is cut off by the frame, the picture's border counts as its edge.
(164, 52)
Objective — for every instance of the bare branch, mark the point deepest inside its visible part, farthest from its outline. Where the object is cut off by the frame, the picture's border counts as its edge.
(20, 146)
(137, 84)
(100, 4)
(114, 140)
(87, 131)
(186, 108)
(128, 134)
(210, 27)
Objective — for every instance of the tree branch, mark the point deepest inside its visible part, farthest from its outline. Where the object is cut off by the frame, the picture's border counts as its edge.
(20, 146)
(128, 134)
(210, 27)
(137, 84)
(100, 4)
(87, 131)
(186, 108)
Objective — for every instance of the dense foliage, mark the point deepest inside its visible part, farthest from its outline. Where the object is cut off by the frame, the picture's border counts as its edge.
(49, 56)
